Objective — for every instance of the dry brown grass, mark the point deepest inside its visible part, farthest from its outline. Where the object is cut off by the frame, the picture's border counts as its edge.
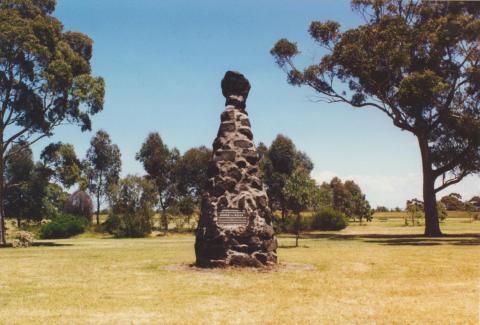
(402, 214)
(381, 273)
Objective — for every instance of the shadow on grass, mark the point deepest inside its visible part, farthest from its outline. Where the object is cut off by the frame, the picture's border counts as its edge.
(404, 239)
(292, 246)
(39, 244)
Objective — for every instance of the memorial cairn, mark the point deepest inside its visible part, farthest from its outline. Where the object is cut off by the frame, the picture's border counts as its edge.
(235, 226)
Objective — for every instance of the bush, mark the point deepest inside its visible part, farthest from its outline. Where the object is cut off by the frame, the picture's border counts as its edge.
(329, 219)
(63, 226)
(128, 225)
(23, 239)
(132, 211)
(288, 225)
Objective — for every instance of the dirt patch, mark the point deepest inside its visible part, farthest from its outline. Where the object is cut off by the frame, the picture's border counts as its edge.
(281, 267)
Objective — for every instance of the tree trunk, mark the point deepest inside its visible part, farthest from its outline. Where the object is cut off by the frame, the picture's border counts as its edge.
(3, 236)
(283, 207)
(297, 229)
(165, 219)
(98, 207)
(432, 224)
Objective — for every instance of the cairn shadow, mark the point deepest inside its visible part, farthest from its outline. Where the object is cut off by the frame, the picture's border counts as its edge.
(465, 239)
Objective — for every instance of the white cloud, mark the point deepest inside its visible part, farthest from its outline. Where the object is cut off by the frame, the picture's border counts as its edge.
(394, 190)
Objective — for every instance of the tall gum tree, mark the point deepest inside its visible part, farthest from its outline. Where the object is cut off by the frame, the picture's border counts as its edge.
(102, 168)
(419, 63)
(45, 79)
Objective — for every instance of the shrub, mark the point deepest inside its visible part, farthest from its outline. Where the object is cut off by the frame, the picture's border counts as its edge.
(23, 239)
(79, 204)
(128, 225)
(328, 219)
(442, 211)
(63, 226)
(288, 225)
(132, 212)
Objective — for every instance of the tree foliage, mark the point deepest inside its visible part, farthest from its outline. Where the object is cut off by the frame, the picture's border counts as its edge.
(191, 172)
(160, 164)
(29, 195)
(419, 63)
(300, 192)
(45, 78)
(133, 204)
(453, 201)
(348, 198)
(278, 164)
(102, 167)
(61, 161)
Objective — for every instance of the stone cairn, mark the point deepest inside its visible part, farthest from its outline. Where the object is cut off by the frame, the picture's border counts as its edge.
(235, 223)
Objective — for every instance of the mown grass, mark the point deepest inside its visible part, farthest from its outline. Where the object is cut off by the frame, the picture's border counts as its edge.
(379, 273)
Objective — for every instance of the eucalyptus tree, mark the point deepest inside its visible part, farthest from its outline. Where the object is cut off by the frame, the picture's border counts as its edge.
(160, 163)
(61, 161)
(45, 79)
(418, 62)
(102, 168)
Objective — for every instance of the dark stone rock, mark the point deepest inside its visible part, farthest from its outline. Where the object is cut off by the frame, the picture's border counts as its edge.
(227, 184)
(252, 157)
(255, 241)
(225, 155)
(267, 232)
(245, 122)
(261, 202)
(240, 248)
(244, 260)
(256, 183)
(227, 146)
(227, 115)
(218, 143)
(222, 203)
(226, 127)
(241, 203)
(212, 169)
(217, 191)
(270, 245)
(235, 173)
(246, 132)
(234, 83)
(241, 163)
(261, 257)
(243, 143)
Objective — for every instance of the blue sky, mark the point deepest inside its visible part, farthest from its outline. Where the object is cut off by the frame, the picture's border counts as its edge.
(163, 61)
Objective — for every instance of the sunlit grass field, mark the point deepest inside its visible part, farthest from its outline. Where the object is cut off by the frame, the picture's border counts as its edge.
(379, 273)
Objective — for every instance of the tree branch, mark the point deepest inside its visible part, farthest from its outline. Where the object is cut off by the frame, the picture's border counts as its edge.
(452, 181)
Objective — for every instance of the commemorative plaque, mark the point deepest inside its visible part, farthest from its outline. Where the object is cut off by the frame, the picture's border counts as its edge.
(232, 218)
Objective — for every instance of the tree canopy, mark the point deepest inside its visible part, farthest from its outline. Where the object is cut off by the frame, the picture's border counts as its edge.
(102, 167)
(160, 164)
(45, 78)
(419, 63)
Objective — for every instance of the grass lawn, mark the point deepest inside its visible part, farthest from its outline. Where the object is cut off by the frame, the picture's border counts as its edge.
(379, 273)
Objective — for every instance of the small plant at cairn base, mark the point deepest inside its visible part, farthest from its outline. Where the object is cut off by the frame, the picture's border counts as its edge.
(80, 204)
(23, 239)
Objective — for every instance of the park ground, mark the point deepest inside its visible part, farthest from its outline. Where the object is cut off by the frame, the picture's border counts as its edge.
(382, 273)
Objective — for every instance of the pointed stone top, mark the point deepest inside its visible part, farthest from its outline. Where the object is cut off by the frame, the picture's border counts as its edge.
(235, 84)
